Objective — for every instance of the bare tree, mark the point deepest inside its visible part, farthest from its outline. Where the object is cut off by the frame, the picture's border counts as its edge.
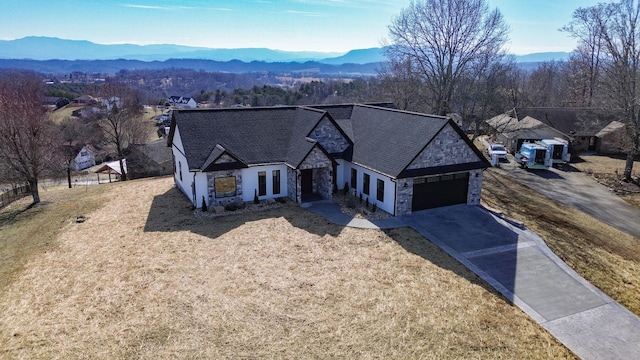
(619, 25)
(28, 139)
(586, 27)
(443, 39)
(120, 118)
(403, 85)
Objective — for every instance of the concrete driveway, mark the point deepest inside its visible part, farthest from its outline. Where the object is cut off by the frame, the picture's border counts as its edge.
(519, 265)
(582, 192)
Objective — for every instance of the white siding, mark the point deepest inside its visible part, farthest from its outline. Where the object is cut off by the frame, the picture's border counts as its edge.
(389, 186)
(182, 176)
(250, 182)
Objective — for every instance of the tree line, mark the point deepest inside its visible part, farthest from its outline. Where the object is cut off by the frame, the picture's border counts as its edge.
(444, 57)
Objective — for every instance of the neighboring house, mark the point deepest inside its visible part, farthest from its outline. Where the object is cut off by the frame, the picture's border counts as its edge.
(400, 161)
(580, 124)
(511, 131)
(146, 160)
(85, 100)
(181, 102)
(613, 139)
(86, 158)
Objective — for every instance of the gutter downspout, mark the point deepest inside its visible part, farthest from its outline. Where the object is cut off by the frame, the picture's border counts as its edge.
(195, 198)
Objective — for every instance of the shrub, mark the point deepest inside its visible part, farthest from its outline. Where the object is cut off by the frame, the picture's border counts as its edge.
(204, 205)
(366, 202)
(233, 206)
(360, 198)
(374, 207)
(281, 200)
(256, 200)
(345, 189)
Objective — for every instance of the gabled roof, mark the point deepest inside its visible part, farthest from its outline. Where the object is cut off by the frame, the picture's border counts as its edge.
(511, 126)
(382, 139)
(252, 136)
(156, 151)
(388, 140)
(610, 128)
(570, 121)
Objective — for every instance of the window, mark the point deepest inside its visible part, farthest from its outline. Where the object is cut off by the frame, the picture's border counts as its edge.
(180, 169)
(365, 183)
(380, 190)
(276, 181)
(262, 183)
(354, 178)
(225, 186)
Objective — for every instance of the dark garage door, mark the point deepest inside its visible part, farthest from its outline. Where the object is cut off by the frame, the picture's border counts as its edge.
(438, 191)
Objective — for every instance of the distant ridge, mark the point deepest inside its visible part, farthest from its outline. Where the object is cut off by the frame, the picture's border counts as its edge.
(51, 48)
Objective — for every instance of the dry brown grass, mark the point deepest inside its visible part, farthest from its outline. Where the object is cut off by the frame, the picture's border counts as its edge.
(144, 278)
(26, 234)
(606, 257)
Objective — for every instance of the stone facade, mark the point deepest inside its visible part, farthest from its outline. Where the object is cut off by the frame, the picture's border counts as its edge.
(322, 173)
(447, 148)
(224, 159)
(293, 187)
(329, 137)
(211, 190)
(475, 187)
(404, 196)
(323, 182)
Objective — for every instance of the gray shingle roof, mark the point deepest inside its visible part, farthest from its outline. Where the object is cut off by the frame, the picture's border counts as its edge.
(385, 140)
(251, 135)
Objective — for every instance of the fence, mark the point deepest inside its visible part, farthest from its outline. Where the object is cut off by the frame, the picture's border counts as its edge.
(11, 195)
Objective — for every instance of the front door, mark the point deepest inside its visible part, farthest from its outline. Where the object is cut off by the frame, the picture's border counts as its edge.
(307, 181)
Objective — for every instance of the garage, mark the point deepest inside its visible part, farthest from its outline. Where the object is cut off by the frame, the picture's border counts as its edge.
(443, 190)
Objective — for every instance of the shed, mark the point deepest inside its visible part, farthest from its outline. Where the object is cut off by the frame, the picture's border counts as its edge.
(112, 167)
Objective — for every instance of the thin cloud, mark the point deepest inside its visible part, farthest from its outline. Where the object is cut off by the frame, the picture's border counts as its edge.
(304, 13)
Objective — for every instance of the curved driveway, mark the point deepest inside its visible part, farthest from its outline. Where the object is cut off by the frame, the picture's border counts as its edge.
(582, 192)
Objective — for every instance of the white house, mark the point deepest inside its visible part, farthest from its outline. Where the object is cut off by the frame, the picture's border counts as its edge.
(401, 161)
(182, 102)
(86, 158)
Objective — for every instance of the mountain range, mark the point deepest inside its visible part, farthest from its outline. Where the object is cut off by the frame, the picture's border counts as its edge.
(50, 48)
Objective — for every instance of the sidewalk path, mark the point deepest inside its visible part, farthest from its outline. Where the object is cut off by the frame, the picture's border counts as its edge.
(518, 264)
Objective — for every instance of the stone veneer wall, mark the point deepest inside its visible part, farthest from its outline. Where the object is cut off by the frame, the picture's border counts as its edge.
(447, 148)
(213, 200)
(475, 187)
(293, 189)
(404, 196)
(329, 137)
(322, 172)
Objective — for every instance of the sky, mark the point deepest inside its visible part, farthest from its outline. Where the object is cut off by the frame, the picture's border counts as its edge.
(293, 25)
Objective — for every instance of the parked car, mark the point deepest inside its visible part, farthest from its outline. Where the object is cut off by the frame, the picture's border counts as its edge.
(498, 150)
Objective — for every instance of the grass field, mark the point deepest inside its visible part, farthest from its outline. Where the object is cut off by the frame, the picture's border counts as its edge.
(144, 278)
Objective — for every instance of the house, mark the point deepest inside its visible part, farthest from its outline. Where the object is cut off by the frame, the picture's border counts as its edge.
(579, 125)
(512, 131)
(86, 158)
(181, 102)
(613, 139)
(400, 161)
(152, 159)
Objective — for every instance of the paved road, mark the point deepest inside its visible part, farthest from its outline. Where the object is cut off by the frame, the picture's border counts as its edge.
(517, 263)
(582, 192)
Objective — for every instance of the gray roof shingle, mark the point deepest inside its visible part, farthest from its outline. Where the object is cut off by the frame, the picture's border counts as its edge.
(253, 135)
